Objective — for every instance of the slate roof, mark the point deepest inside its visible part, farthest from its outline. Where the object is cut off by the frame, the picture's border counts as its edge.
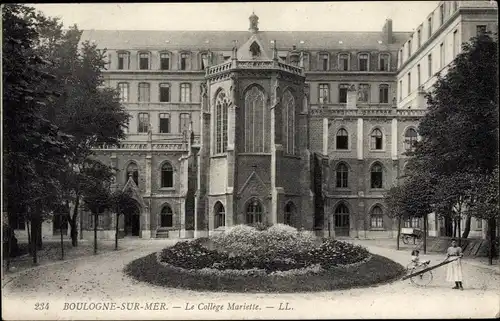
(223, 40)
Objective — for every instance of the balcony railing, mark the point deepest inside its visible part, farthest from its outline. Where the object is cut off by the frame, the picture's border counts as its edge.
(360, 112)
(254, 64)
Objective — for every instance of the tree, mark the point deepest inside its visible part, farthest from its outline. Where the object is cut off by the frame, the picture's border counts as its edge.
(97, 201)
(34, 147)
(395, 199)
(89, 112)
(122, 203)
(459, 133)
(487, 207)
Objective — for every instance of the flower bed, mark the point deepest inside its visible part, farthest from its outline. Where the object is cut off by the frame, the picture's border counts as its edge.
(263, 258)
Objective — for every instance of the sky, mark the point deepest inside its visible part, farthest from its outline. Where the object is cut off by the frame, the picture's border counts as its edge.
(300, 16)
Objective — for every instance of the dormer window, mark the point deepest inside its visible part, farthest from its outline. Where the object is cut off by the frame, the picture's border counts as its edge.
(255, 50)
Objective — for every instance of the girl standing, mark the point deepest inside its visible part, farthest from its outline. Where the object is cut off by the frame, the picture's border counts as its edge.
(454, 273)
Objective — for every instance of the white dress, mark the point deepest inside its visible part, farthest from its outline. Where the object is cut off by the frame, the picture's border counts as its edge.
(454, 272)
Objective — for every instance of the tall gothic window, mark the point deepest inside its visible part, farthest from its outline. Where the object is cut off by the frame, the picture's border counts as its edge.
(219, 215)
(288, 122)
(342, 175)
(166, 216)
(167, 175)
(257, 124)
(377, 217)
(342, 139)
(254, 212)
(410, 138)
(376, 139)
(376, 176)
(289, 211)
(132, 171)
(221, 110)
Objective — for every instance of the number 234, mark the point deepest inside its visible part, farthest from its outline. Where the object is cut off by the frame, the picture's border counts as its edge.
(41, 306)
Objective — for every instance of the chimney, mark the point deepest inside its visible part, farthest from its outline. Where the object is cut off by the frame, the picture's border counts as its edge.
(387, 31)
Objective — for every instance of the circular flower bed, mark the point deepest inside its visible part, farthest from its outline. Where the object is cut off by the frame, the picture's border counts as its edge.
(278, 258)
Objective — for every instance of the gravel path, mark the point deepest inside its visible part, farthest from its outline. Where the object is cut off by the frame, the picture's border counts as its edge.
(100, 279)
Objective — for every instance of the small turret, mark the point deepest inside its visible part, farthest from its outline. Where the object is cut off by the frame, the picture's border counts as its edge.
(254, 23)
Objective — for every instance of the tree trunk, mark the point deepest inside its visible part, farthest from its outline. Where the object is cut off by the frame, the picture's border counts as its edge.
(116, 225)
(399, 232)
(62, 239)
(459, 228)
(72, 223)
(491, 239)
(30, 238)
(34, 236)
(455, 225)
(95, 233)
(467, 227)
(425, 233)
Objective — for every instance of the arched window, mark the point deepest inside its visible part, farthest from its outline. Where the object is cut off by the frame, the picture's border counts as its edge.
(364, 62)
(376, 176)
(288, 122)
(132, 171)
(166, 217)
(221, 110)
(377, 217)
(342, 175)
(384, 62)
(254, 212)
(342, 139)
(410, 138)
(341, 220)
(164, 61)
(257, 122)
(167, 175)
(144, 60)
(376, 139)
(219, 215)
(289, 211)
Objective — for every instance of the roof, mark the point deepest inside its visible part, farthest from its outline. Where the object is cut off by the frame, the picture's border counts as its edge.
(223, 40)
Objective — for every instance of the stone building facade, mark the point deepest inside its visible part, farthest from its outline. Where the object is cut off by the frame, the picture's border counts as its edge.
(302, 128)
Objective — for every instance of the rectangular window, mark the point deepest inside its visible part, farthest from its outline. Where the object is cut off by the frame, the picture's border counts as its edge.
(184, 61)
(364, 93)
(324, 61)
(481, 29)
(441, 53)
(144, 61)
(123, 89)
(441, 14)
(419, 38)
(409, 49)
(384, 94)
(363, 62)
(400, 90)
(343, 62)
(418, 75)
(384, 62)
(429, 27)
(164, 93)
(144, 93)
(324, 93)
(123, 61)
(164, 61)
(376, 221)
(143, 123)
(409, 83)
(429, 65)
(164, 123)
(185, 119)
(455, 42)
(343, 88)
(185, 93)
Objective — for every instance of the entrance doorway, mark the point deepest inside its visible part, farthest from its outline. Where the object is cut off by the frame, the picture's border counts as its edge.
(341, 220)
(132, 224)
